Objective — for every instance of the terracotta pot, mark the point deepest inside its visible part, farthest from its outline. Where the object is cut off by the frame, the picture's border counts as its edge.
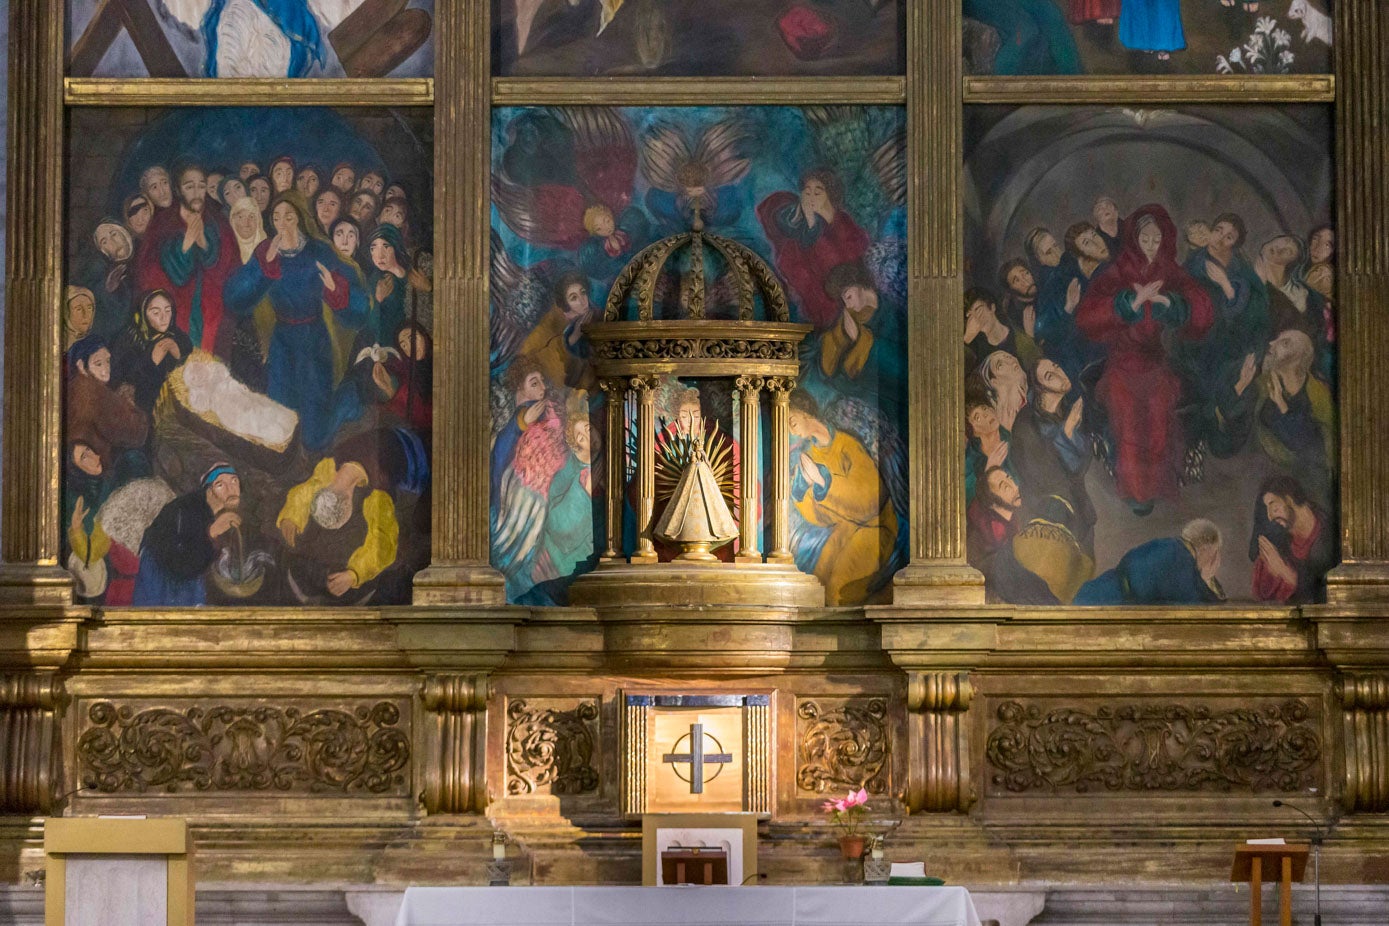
(852, 847)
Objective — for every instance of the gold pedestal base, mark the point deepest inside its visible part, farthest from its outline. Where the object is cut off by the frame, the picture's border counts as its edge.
(459, 584)
(928, 584)
(696, 584)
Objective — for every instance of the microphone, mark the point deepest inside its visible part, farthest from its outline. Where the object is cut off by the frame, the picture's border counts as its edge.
(1316, 824)
(1317, 840)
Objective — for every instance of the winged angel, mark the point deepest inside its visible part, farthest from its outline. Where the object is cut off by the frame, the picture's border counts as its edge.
(565, 181)
(541, 476)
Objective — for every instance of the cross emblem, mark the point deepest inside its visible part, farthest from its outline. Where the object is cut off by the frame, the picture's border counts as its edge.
(697, 758)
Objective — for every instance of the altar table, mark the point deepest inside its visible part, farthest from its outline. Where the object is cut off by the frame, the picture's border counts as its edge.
(687, 906)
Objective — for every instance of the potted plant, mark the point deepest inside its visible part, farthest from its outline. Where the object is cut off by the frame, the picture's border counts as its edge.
(848, 814)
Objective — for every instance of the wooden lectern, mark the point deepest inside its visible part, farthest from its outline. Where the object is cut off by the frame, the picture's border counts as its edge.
(1259, 863)
(117, 872)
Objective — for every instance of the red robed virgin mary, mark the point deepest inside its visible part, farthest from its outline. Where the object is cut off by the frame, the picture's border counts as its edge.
(1128, 308)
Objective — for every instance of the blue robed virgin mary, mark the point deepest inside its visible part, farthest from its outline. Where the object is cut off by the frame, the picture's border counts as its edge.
(1152, 25)
(253, 38)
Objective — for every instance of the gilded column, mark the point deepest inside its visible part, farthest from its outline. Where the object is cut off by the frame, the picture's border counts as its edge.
(615, 394)
(1362, 172)
(460, 572)
(634, 715)
(646, 467)
(1365, 707)
(30, 572)
(750, 440)
(29, 716)
(937, 573)
(938, 742)
(780, 470)
(455, 773)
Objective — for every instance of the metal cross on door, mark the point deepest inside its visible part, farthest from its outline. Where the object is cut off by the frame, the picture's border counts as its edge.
(697, 758)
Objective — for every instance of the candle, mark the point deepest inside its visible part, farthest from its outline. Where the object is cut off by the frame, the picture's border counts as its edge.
(498, 847)
(878, 849)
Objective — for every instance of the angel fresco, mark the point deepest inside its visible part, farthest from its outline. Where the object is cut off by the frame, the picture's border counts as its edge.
(566, 182)
(553, 165)
(702, 177)
(847, 527)
(814, 230)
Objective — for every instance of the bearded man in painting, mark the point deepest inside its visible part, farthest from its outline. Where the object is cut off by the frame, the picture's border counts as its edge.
(1292, 546)
(190, 251)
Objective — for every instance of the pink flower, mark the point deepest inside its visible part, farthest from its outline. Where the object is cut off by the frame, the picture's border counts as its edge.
(828, 807)
(857, 798)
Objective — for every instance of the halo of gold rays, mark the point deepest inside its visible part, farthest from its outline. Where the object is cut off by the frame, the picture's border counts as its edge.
(675, 451)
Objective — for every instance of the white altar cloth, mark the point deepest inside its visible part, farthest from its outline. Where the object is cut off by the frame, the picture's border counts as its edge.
(687, 906)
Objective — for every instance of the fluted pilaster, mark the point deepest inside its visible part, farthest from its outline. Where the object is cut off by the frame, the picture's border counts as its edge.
(460, 573)
(1362, 171)
(29, 532)
(937, 572)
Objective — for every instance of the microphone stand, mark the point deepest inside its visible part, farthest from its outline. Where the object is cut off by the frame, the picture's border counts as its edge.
(1317, 838)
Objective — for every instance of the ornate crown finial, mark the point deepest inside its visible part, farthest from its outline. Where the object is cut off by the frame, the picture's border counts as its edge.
(751, 276)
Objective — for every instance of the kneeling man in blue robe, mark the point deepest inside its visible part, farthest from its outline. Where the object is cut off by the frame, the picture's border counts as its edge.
(1170, 570)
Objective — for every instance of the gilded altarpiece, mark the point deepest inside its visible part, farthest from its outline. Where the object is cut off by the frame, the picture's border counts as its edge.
(388, 741)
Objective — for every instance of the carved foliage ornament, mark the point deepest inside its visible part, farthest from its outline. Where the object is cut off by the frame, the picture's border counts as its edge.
(244, 748)
(843, 747)
(547, 746)
(695, 349)
(1154, 747)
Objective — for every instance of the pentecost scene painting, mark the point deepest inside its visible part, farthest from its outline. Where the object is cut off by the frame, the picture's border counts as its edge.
(250, 38)
(819, 193)
(1236, 37)
(1150, 347)
(248, 326)
(581, 38)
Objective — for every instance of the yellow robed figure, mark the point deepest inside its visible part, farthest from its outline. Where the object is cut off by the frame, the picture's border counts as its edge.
(836, 485)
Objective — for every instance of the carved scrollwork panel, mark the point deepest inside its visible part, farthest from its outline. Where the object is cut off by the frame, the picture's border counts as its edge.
(359, 748)
(551, 744)
(843, 744)
(1162, 746)
(695, 349)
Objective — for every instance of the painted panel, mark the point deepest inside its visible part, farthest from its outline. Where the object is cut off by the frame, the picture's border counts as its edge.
(249, 356)
(712, 38)
(250, 38)
(1010, 37)
(820, 194)
(1150, 350)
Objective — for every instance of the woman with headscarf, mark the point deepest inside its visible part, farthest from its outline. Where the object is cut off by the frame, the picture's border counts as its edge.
(300, 273)
(79, 314)
(110, 276)
(85, 487)
(1134, 308)
(251, 336)
(105, 419)
(232, 190)
(150, 349)
(346, 238)
(389, 280)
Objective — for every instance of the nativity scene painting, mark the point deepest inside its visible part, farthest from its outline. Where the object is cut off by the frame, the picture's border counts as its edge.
(1233, 37)
(1150, 355)
(819, 193)
(250, 38)
(589, 38)
(248, 325)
